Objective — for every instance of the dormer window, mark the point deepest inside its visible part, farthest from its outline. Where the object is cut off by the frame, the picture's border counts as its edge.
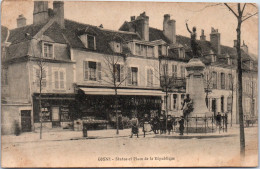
(229, 61)
(160, 50)
(251, 64)
(213, 58)
(91, 42)
(117, 47)
(144, 50)
(181, 53)
(48, 51)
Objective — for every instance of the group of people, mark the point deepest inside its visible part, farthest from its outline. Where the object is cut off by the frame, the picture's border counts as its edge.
(156, 124)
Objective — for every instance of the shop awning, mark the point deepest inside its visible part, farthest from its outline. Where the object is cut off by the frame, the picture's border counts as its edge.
(129, 92)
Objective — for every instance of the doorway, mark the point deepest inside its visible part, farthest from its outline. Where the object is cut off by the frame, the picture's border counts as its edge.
(26, 120)
(55, 117)
(214, 106)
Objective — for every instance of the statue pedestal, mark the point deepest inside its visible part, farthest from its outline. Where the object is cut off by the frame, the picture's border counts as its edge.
(195, 87)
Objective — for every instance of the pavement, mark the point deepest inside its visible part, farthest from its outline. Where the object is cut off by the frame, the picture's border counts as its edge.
(63, 135)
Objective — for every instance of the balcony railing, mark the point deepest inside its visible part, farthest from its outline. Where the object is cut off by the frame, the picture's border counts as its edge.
(173, 82)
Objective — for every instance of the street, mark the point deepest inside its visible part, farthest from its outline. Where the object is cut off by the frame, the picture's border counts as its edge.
(153, 150)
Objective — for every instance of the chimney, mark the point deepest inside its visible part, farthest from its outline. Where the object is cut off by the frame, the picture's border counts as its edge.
(142, 26)
(215, 40)
(169, 28)
(235, 43)
(132, 18)
(202, 36)
(58, 10)
(40, 12)
(21, 21)
(244, 47)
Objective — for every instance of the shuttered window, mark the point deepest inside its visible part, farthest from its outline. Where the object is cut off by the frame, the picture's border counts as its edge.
(174, 70)
(92, 71)
(132, 74)
(43, 77)
(59, 79)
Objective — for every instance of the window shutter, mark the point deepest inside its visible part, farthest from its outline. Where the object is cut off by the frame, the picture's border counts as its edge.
(121, 73)
(85, 70)
(61, 80)
(99, 71)
(56, 79)
(151, 77)
(129, 76)
(37, 77)
(137, 76)
(148, 77)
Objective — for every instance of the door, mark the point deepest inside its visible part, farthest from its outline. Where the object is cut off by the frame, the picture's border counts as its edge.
(55, 117)
(214, 106)
(26, 120)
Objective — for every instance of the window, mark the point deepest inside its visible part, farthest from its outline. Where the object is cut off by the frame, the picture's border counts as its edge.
(165, 69)
(92, 70)
(181, 53)
(229, 61)
(222, 80)
(4, 76)
(144, 50)
(47, 50)
(230, 80)
(174, 70)
(133, 76)
(40, 75)
(229, 103)
(149, 77)
(91, 42)
(213, 58)
(117, 72)
(175, 101)
(182, 72)
(117, 47)
(59, 79)
(160, 50)
(214, 80)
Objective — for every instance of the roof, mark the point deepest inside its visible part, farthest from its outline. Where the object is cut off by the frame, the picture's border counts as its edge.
(17, 35)
(103, 36)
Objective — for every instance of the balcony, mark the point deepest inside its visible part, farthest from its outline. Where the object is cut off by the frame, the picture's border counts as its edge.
(172, 83)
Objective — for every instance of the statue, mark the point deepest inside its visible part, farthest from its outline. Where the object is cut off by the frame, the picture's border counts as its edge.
(194, 45)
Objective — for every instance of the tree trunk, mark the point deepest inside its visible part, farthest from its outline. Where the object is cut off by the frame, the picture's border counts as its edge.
(232, 97)
(240, 106)
(116, 104)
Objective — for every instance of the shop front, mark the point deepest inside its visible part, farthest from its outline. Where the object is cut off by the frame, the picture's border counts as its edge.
(57, 111)
(100, 103)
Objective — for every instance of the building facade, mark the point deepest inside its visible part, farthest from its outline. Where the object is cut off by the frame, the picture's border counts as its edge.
(58, 71)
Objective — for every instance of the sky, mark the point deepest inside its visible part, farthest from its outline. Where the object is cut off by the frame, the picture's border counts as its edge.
(113, 14)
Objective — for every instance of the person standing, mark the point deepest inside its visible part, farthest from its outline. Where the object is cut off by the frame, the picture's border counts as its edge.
(146, 124)
(169, 124)
(181, 128)
(134, 125)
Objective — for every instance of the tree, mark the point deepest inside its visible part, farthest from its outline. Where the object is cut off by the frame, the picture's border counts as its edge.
(166, 80)
(115, 67)
(241, 16)
(40, 76)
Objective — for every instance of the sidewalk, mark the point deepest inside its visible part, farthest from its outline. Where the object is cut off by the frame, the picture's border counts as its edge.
(63, 135)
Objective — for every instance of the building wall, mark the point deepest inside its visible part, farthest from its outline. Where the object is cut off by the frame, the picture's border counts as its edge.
(10, 116)
(142, 63)
(49, 67)
(18, 89)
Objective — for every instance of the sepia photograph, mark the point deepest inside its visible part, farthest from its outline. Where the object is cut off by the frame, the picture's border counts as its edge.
(129, 84)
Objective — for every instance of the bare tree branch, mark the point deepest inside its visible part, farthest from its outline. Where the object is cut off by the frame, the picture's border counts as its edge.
(230, 9)
(249, 16)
